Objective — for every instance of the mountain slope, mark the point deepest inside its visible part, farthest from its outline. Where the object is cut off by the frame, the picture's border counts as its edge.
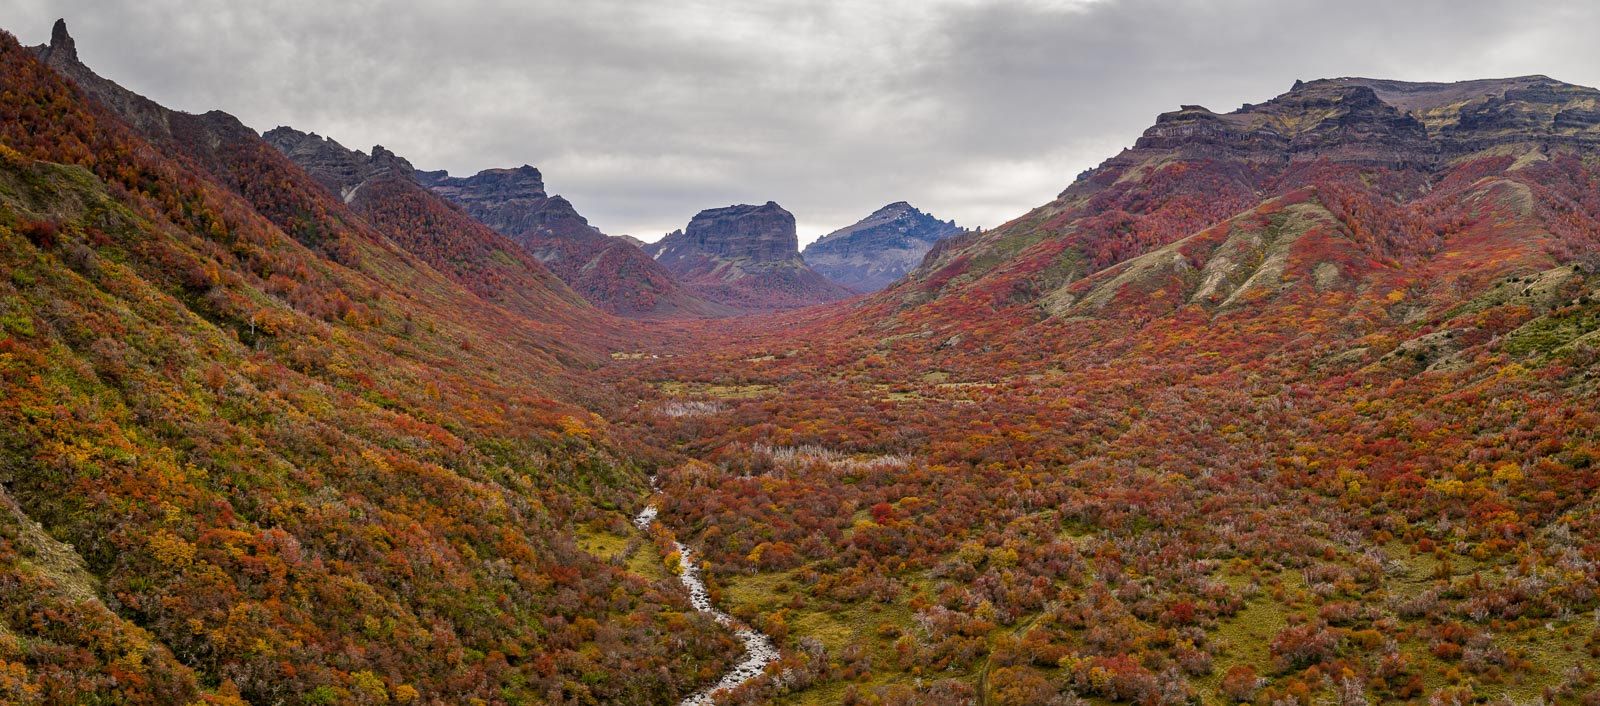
(383, 189)
(746, 257)
(1339, 137)
(611, 272)
(253, 462)
(238, 159)
(877, 250)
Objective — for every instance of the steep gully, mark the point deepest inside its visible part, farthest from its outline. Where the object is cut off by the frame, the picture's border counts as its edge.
(759, 649)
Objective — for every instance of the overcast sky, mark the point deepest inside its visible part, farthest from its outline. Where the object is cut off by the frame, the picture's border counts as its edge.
(644, 112)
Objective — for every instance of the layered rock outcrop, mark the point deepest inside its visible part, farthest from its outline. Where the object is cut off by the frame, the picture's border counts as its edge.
(746, 257)
(1376, 122)
(1195, 168)
(513, 202)
(340, 169)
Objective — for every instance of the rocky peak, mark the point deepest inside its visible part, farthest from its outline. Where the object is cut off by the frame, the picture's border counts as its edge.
(610, 272)
(762, 234)
(340, 169)
(61, 47)
(384, 161)
(877, 250)
(513, 202)
(746, 257)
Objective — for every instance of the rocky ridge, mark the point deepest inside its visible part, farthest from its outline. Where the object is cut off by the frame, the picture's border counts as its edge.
(612, 273)
(1377, 122)
(879, 249)
(1195, 168)
(336, 167)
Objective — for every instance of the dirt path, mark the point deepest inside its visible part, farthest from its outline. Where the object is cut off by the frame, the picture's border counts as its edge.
(983, 674)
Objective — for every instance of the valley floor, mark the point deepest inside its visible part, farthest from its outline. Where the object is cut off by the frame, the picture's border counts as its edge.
(1012, 532)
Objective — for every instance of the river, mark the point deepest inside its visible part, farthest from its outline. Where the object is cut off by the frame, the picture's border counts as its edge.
(759, 649)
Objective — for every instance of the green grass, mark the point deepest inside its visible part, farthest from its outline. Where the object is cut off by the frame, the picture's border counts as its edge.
(1547, 334)
(601, 544)
(646, 562)
(1248, 635)
(835, 625)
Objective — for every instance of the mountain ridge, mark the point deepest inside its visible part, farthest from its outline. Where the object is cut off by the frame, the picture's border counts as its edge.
(613, 273)
(1195, 168)
(240, 422)
(871, 253)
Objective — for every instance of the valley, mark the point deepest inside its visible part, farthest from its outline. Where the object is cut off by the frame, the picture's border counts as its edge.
(1290, 405)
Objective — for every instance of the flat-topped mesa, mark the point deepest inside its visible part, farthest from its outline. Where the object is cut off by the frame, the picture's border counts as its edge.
(489, 185)
(746, 257)
(877, 250)
(1318, 120)
(762, 234)
(1383, 122)
(513, 202)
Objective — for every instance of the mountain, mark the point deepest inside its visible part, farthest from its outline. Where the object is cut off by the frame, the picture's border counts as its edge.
(256, 451)
(879, 249)
(1352, 147)
(420, 226)
(746, 257)
(613, 273)
(1292, 404)
(382, 188)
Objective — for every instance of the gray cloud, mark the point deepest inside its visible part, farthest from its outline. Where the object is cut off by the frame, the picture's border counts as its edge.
(643, 113)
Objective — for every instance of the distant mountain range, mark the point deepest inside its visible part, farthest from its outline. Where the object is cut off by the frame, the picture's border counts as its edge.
(879, 249)
(611, 272)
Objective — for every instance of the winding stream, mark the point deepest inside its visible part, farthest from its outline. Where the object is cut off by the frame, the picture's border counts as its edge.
(759, 649)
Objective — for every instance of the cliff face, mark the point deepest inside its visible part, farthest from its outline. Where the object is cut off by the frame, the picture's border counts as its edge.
(336, 167)
(746, 257)
(878, 249)
(513, 202)
(1376, 122)
(612, 273)
(761, 234)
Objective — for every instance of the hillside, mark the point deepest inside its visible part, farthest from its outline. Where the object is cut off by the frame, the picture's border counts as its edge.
(256, 452)
(383, 188)
(1195, 168)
